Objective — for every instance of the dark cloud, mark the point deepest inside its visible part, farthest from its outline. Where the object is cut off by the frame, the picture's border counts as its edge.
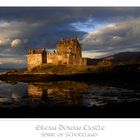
(22, 28)
(115, 37)
(66, 13)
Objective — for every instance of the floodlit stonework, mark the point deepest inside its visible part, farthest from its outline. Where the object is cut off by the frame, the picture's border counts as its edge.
(68, 52)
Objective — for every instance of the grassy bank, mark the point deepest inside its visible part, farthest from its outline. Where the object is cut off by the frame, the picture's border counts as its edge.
(59, 69)
(82, 73)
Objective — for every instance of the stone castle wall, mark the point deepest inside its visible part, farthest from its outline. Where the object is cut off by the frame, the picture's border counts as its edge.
(34, 60)
(67, 52)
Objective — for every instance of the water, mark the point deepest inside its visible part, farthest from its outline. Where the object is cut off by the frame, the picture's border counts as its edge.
(69, 99)
(3, 72)
(64, 93)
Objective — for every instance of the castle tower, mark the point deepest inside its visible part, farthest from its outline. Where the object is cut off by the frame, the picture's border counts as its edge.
(71, 48)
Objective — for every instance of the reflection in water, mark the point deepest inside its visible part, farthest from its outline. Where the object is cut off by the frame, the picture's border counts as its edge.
(57, 93)
(35, 92)
(69, 93)
(64, 93)
(10, 91)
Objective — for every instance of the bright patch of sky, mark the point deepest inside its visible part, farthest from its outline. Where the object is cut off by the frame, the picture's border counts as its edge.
(88, 26)
(92, 54)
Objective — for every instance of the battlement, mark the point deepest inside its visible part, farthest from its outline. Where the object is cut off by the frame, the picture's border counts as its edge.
(69, 46)
(73, 40)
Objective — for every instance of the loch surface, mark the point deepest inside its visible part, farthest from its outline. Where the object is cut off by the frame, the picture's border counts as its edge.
(69, 99)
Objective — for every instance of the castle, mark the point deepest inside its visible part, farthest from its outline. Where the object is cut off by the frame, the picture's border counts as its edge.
(68, 52)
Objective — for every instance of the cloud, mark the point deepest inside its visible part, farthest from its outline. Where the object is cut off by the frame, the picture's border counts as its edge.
(16, 43)
(115, 37)
(4, 42)
(13, 29)
(19, 61)
(93, 54)
(1, 62)
(1, 42)
(14, 61)
(104, 30)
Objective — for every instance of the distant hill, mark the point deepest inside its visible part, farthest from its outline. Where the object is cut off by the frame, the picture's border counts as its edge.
(124, 58)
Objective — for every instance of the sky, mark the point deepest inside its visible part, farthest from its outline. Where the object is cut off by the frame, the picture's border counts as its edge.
(102, 31)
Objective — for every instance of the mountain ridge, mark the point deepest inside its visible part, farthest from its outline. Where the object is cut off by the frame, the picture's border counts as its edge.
(123, 57)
